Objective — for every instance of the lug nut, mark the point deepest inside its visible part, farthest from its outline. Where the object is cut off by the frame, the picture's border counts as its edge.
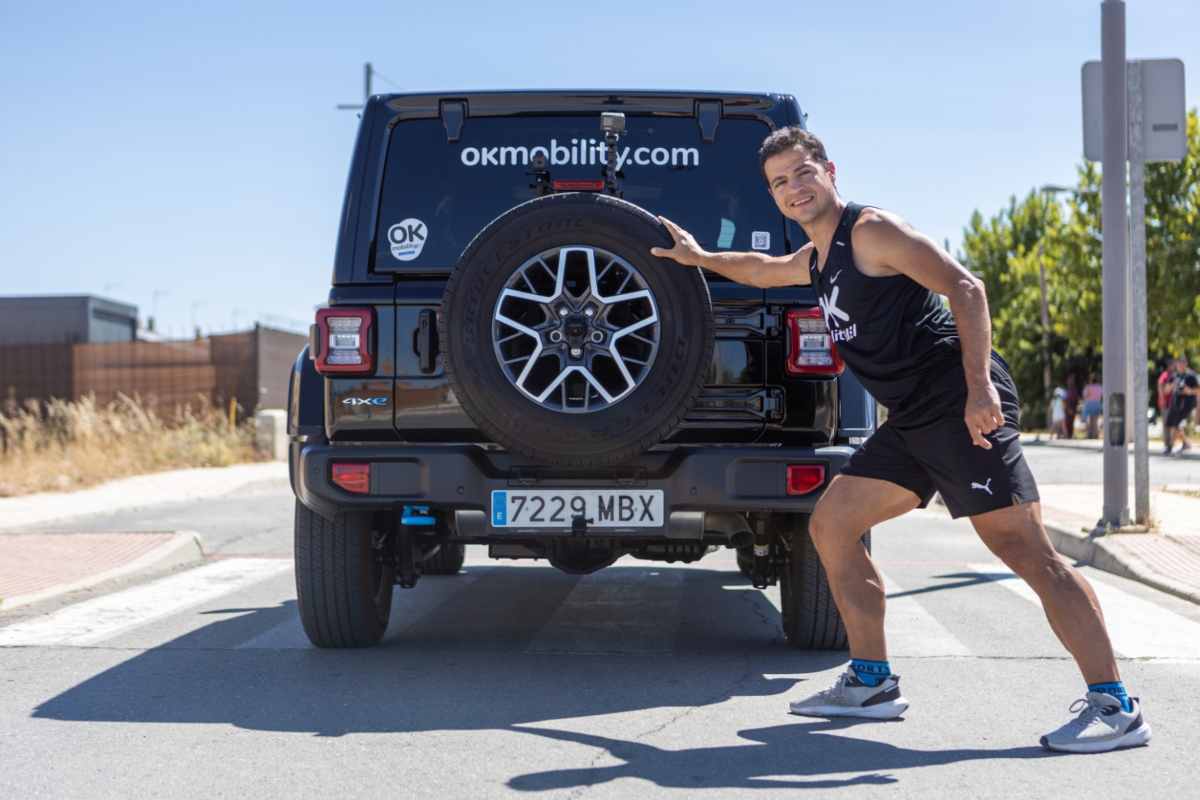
(597, 336)
(556, 336)
(589, 311)
(562, 312)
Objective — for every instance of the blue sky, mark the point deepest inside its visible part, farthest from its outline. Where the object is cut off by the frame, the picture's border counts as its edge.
(187, 157)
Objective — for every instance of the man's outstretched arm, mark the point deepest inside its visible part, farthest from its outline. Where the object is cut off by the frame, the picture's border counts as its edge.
(752, 269)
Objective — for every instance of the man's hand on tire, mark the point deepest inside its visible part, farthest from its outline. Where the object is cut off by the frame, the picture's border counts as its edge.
(686, 250)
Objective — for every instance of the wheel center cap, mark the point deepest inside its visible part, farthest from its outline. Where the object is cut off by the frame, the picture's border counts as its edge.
(575, 329)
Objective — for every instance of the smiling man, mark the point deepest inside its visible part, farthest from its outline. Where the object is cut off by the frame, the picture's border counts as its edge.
(952, 428)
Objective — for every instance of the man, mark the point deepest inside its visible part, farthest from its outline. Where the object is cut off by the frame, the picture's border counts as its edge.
(1184, 389)
(952, 428)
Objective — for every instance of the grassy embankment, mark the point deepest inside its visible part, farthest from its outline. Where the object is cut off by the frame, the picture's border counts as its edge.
(61, 445)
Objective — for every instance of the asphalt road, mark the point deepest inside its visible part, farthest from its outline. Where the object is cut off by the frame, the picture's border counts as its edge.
(516, 680)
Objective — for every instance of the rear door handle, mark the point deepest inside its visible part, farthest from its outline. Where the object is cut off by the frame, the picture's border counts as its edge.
(427, 340)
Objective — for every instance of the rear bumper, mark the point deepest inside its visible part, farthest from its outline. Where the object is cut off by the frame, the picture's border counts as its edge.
(461, 478)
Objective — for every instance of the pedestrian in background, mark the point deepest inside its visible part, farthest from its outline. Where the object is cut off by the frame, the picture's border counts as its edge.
(1185, 388)
(1166, 380)
(1058, 413)
(1070, 406)
(1093, 405)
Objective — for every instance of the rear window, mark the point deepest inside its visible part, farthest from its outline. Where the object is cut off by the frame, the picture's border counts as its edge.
(437, 194)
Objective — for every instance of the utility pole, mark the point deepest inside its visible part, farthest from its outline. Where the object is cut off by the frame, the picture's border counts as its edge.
(1047, 380)
(368, 73)
(1137, 316)
(1115, 225)
(1049, 191)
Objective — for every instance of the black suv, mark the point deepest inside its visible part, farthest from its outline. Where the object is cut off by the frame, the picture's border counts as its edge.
(503, 362)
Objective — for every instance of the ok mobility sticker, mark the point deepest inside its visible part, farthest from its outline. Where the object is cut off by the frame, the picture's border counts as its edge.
(579, 152)
(407, 239)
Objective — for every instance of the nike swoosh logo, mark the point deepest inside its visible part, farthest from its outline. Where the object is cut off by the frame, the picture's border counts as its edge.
(835, 276)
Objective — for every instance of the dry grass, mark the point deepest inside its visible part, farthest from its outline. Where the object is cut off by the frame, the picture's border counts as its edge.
(60, 445)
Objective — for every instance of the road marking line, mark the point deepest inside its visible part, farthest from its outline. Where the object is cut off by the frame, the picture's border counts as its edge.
(95, 620)
(913, 631)
(1139, 628)
(616, 611)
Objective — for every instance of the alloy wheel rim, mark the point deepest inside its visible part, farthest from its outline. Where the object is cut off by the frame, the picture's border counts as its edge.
(576, 329)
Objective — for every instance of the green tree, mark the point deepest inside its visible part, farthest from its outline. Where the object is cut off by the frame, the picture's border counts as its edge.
(1004, 252)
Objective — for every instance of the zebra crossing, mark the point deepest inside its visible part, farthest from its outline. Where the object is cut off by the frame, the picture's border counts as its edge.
(635, 610)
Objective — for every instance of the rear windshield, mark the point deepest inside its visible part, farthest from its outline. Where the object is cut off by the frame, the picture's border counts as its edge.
(437, 194)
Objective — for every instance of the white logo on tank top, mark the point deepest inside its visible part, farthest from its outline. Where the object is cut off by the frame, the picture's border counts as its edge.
(835, 317)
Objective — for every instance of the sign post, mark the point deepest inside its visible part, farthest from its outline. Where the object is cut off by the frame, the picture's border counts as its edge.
(1156, 131)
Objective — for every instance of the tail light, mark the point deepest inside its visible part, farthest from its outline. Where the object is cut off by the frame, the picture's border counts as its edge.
(811, 350)
(354, 478)
(805, 478)
(341, 343)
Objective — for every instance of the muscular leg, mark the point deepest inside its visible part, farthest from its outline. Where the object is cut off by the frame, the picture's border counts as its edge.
(850, 506)
(1016, 536)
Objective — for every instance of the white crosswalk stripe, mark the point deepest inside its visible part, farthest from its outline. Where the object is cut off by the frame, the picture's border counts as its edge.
(1138, 628)
(636, 611)
(93, 621)
(914, 632)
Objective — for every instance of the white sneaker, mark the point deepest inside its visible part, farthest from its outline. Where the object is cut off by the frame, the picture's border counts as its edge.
(1102, 725)
(850, 697)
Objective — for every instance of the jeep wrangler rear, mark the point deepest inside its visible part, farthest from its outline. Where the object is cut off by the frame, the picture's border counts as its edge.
(502, 362)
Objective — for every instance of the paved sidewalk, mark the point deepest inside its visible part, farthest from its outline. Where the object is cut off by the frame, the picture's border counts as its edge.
(140, 490)
(40, 566)
(1166, 557)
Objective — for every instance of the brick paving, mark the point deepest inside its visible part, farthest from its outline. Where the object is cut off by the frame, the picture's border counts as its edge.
(34, 562)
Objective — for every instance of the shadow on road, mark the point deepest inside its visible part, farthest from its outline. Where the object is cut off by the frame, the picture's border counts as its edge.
(796, 749)
(469, 660)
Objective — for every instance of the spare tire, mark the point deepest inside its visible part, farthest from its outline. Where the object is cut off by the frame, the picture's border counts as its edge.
(566, 341)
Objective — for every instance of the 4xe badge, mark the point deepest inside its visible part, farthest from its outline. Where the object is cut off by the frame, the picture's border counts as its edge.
(365, 401)
(407, 239)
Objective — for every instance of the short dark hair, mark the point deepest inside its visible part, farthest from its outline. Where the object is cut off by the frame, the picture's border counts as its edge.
(789, 138)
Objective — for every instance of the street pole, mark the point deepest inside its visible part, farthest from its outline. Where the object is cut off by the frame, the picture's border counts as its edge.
(1114, 223)
(1137, 317)
(1046, 378)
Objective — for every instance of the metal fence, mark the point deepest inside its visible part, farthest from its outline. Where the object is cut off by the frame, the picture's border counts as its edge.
(251, 367)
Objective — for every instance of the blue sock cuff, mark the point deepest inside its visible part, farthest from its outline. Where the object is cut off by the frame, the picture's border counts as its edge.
(871, 673)
(1116, 689)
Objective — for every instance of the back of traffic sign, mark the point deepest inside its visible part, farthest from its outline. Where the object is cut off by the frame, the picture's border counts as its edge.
(1164, 130)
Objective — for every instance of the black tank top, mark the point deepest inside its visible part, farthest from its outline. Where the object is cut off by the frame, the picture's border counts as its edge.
(893, 333)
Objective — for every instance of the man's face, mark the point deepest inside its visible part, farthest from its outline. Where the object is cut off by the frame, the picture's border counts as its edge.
(1181, 364)
(803, 188)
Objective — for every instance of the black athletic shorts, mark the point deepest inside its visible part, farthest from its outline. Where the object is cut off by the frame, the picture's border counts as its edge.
(925, 447)
(1178, 415)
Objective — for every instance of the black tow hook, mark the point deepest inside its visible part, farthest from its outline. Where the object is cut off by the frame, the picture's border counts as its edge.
(760, 573)
(406, 565)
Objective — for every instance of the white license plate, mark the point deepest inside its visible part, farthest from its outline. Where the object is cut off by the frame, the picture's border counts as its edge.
(557, 508)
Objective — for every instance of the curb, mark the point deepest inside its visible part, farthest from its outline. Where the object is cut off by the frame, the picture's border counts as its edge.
(1098, 552)
(183, 548)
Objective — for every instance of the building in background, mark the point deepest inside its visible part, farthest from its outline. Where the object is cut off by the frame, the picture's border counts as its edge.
(70, 347)
(69, 319)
